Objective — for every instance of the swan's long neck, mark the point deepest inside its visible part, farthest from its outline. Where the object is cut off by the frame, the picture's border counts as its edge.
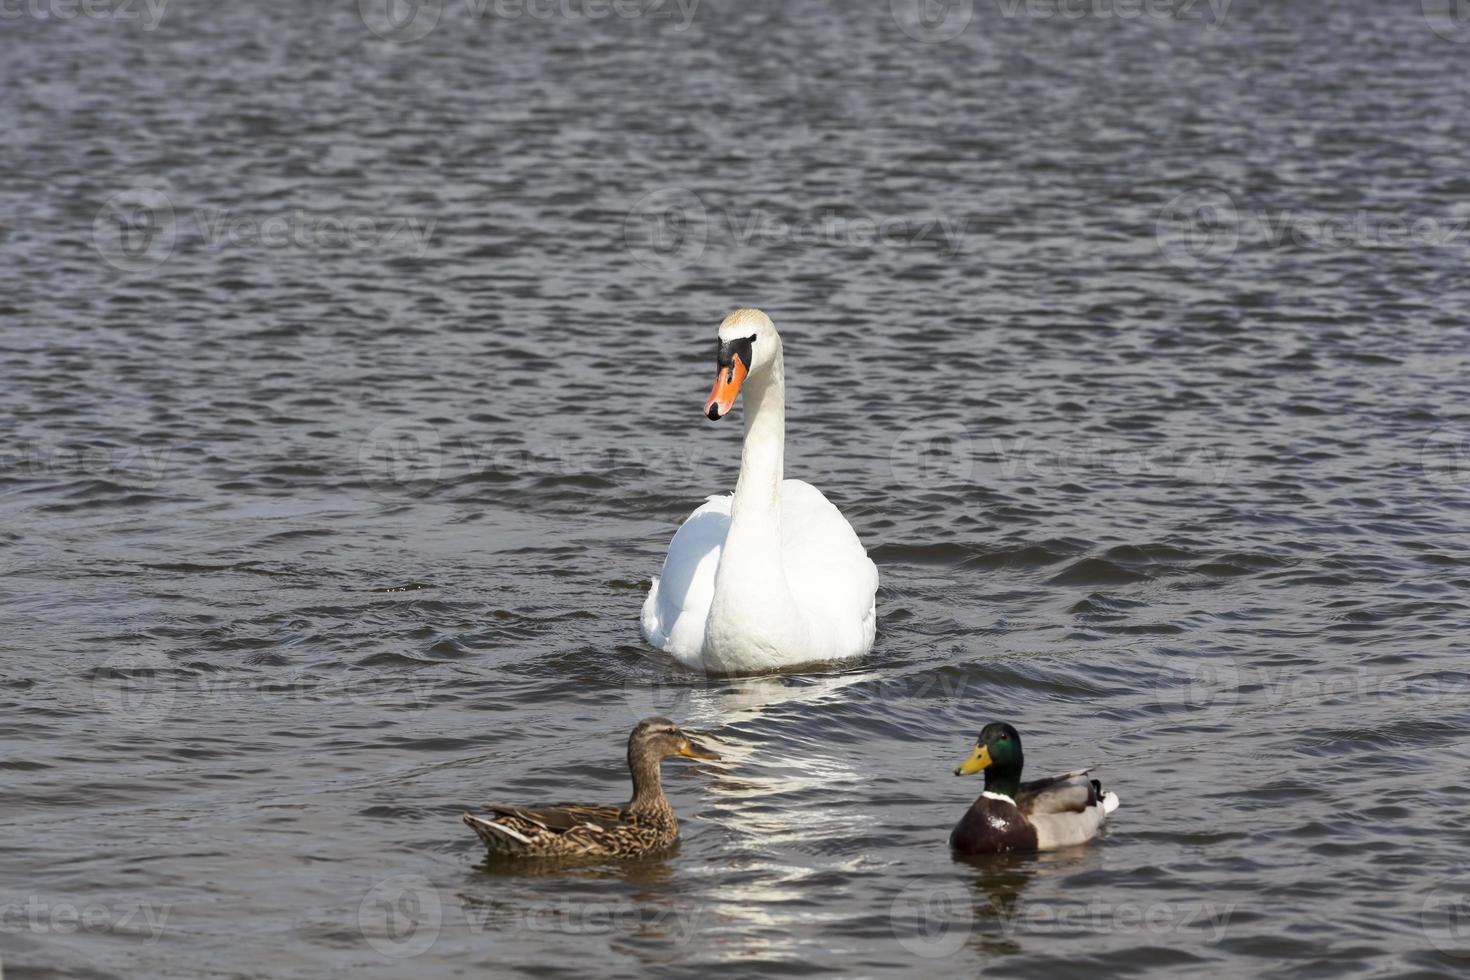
(753, 543)
(753, 614)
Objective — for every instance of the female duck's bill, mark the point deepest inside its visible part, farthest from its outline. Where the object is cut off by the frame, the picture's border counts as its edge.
(733, 360)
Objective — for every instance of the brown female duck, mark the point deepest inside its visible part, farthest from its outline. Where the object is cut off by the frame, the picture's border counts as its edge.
(645, 824)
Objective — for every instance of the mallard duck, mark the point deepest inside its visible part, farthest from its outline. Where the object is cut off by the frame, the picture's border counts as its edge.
(645, 824)
(1010, 815)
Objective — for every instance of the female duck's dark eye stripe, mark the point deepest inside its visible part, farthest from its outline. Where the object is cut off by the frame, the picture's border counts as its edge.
(729, 350)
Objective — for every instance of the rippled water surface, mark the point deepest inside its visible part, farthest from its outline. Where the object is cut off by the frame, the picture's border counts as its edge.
(352, 393)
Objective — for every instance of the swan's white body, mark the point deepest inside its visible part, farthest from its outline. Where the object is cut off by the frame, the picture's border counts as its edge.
(772, 575)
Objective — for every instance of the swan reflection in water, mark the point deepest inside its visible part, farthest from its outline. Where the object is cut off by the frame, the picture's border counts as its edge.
(787, 801)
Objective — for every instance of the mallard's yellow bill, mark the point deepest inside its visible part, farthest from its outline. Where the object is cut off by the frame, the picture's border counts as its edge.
(978, 760)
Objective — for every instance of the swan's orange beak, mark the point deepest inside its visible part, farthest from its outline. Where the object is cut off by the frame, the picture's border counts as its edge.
(727, 385)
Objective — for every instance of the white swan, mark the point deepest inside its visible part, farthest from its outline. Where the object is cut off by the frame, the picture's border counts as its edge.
(772, 575)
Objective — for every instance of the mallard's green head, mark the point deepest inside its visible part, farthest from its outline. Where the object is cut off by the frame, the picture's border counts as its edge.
(997, 752)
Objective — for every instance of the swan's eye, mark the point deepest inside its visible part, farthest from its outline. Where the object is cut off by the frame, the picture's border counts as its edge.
(731, 349)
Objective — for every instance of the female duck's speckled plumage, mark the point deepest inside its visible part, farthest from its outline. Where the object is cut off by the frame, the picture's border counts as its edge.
(1040, 815)
(645, 824)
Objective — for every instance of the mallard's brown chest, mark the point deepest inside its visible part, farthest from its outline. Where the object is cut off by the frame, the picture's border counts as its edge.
(992, 826)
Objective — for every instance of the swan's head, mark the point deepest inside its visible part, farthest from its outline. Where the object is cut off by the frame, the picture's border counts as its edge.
(748, 347)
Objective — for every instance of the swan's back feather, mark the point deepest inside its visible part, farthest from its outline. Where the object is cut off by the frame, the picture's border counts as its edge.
(832, 580)
(831, 577)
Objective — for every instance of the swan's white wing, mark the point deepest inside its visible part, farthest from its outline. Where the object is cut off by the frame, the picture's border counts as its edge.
(831, 578)
(829, 572)
(678, 603)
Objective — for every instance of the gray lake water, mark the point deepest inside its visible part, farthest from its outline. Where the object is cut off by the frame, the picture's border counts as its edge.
(352, 372)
